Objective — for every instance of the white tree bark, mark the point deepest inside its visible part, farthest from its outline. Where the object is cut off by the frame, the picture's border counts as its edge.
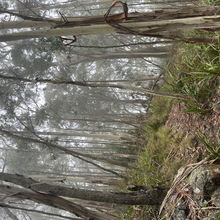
(138, 27)
(75, 134)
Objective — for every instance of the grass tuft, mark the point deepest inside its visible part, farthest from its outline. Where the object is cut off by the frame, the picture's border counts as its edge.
(210, 147)
(194, 72)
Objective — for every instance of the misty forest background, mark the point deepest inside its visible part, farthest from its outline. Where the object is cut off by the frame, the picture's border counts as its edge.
(101, 125)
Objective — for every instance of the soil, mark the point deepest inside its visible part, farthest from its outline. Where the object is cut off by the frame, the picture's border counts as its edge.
(207, 124)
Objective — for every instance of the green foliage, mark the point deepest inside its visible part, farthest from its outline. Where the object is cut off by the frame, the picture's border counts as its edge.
(51, 44)
(40, 116)
(210, 147)
(149, 157)
(194, 73)
(50, 149)
(130, 149)
(162, 155)
(210, 2)
(17, 55)
(161, 159)
(218, 216)
(160, 107)
(29, 60)
(139, 212)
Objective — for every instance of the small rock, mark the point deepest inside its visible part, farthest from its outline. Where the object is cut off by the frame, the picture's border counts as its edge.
(216, 107)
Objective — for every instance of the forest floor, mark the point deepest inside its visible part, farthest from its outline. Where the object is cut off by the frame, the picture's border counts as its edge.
(207, 124)
(171, 130)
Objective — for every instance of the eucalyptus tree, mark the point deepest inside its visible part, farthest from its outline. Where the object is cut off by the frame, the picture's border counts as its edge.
(42, 98)
(133, 23)
(52, 195)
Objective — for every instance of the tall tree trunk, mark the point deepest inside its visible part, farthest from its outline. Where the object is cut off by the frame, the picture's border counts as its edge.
(74, 5)
(135, 28)
(154, 196)
(128, 80)
(6, 206)
(10, 214)
(118, 55)
(52, 200)
(76, 154)
(135, 23)
(78, 83)
(99, 136)
(157, 15)
(49, 178)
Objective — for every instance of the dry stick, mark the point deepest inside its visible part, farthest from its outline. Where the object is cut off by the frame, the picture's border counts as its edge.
(179, 178)
(208, 208)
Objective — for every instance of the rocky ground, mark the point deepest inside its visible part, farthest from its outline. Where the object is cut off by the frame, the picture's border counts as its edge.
(209, 125)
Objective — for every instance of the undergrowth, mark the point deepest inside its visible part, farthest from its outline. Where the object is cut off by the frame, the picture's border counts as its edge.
(193, 71)
(162, 155)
